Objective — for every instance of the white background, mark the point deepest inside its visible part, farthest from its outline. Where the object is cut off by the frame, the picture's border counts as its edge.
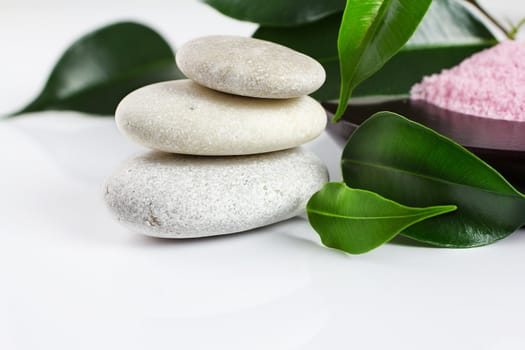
(72, 278)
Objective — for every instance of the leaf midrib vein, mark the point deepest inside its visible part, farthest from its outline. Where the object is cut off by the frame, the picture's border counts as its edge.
(432, 178)
(421, 214)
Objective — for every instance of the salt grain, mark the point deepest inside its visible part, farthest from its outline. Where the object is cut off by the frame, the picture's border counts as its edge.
(489, 84)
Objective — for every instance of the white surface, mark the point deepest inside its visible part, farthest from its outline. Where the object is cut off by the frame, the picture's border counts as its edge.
(73, 278)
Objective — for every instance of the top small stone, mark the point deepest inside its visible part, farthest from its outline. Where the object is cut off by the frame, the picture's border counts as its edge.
(249, 67)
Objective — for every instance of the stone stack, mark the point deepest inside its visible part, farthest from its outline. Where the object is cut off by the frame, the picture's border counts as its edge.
(226, 142)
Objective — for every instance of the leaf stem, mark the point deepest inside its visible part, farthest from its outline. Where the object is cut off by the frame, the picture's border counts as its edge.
(492, 19)
(516, 28)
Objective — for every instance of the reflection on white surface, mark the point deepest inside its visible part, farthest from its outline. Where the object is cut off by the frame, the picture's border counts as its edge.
(69, 271)
(82, 147)
(73, 278)
(78, 265)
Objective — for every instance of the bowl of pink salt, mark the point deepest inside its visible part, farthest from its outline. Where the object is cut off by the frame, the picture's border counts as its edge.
(479, 103)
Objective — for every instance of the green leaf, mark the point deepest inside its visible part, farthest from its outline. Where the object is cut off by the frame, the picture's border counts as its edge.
(318, 40)
(448, 34)
(357, 221)
(430, 49)
(99, 69)
(413, 165)
(371, 33)
(277, 13)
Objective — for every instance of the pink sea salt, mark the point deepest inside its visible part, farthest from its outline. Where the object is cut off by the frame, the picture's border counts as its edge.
(489, 84)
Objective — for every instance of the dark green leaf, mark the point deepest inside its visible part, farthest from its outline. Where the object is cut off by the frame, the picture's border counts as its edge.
(99, 69)
(446, 36)
(318, 40)
(413, 165)
(357, 221)
(278, 13)
(371, 33)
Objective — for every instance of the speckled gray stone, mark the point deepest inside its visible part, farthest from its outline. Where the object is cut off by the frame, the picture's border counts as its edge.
(249, 67)
(177, 196)
(183, 117)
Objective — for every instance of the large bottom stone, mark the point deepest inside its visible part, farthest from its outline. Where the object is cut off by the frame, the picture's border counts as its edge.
(177, 196)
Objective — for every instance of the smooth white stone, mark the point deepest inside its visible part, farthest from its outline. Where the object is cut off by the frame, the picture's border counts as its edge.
(183, 117)
(177, 196)
(250, 67)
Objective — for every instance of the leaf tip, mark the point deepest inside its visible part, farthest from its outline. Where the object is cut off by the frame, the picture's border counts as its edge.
(449, 208)
(12, 115)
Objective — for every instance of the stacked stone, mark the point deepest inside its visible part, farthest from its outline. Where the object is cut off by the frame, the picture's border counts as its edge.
(226, 141)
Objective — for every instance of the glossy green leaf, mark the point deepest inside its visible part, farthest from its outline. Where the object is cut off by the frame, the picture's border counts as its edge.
(277, 13)
(413, 165)
(371, 33)
(447, 35)
(99, 69)
(357, 221)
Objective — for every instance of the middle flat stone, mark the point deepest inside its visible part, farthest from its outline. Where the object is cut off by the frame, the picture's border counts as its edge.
(183, 117)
